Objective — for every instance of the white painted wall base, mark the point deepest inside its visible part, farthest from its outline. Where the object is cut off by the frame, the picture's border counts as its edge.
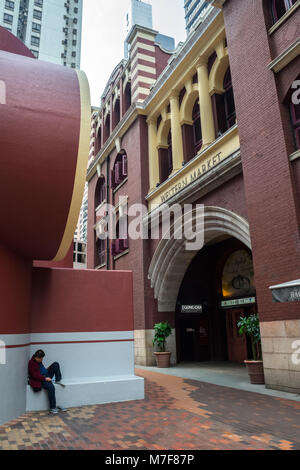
(98, 367)
(88, 391)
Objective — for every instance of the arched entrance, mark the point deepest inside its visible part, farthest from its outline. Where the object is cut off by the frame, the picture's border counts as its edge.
(193, 286)
(217, 289)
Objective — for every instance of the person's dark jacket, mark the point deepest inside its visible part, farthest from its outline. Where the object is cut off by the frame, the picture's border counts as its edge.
(35, 377)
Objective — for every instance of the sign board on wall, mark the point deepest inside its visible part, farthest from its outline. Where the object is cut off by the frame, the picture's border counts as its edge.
(238, 276)
(191, 309)
(288, 292)
(238, 302)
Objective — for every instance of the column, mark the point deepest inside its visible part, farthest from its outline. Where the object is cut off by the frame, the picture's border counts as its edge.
(177, 145)
(153, 154)
(206, 109)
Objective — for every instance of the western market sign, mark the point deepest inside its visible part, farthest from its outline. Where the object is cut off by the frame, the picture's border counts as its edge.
(205, 161)
(193, 175)
(287, 292)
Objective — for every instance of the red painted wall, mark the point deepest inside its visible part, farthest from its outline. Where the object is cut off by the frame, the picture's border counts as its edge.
(161, 60)
(67, 262)
(67, 300)
(15, 292)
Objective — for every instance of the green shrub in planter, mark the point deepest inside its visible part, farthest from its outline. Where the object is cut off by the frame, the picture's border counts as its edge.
(250, 326)
(161, 332)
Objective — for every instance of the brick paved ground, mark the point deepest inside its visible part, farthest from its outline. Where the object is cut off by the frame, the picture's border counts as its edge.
(176, 414)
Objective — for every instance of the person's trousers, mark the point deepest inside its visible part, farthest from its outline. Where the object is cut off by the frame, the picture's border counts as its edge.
(53, 370)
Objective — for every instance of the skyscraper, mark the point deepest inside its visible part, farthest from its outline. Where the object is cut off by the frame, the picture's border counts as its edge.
(138, 13)
(51, 29)
(195, 10)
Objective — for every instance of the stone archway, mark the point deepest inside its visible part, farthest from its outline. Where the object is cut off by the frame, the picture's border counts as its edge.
(171, 259)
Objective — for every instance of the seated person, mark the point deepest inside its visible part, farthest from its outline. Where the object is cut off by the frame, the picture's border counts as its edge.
(40, 377)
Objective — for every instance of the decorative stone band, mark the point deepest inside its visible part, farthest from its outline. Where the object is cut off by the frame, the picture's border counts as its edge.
(19, 341)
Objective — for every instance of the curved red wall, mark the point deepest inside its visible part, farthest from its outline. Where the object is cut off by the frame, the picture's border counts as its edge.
(40, 130)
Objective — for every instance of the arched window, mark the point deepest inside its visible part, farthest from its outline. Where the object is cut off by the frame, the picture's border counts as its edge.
(197, 128)
(224, 107)
(100, 193)
(170, 153)
(120, 244)
(106, 129)
(229, 100)
(116, 113)
(100, 252)
(280, 7)
(295, 117)
(120, 170)
(98, 141)
(165, 158)
(127, 96)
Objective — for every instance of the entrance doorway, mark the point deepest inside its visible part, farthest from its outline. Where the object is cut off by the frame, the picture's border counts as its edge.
(206, 330)
(195, 341)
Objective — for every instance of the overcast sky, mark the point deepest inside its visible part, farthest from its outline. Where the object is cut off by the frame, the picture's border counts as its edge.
(103, 34)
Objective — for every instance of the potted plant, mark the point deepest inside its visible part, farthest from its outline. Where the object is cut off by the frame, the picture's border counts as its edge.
(250, 326)
(161, 332)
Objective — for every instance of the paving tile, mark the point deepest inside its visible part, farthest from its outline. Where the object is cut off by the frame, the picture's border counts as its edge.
(177, 414)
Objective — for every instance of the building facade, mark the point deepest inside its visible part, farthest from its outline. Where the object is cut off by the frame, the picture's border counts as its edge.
(51, 29)
(191, 136)
(195, 11)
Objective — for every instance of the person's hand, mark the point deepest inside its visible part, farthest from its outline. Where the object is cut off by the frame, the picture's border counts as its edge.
(47, 379)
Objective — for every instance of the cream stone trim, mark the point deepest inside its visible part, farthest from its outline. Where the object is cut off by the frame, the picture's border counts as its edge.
(294, 156)
(140, 56)
(120, 185)
(163, 131)
(144, 91)
(141, 45)
(121, 254)
(140, 34)
(188, 102)
(144, 68)
(285, 57)
(217, 73)
(278, 23)
(170, 260)
(141, 78)
(99, 207)
(100, 266)
(80, 173)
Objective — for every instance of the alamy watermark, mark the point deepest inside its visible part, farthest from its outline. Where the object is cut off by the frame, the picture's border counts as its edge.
(164, 222)
(2, 92)
(296, 354)
(2, 353)
(296, 94)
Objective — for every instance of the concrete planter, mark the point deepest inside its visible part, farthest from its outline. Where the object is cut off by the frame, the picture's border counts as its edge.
(162, 359)
(256, 372)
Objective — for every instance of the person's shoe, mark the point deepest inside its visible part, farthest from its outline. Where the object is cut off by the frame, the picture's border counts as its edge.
(58, 382)
(61, 408)
(54, 411)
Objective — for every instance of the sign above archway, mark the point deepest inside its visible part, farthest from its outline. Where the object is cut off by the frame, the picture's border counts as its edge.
(238, 276)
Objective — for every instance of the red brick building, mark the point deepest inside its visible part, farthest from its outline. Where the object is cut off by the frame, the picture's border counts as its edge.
(216, 123)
